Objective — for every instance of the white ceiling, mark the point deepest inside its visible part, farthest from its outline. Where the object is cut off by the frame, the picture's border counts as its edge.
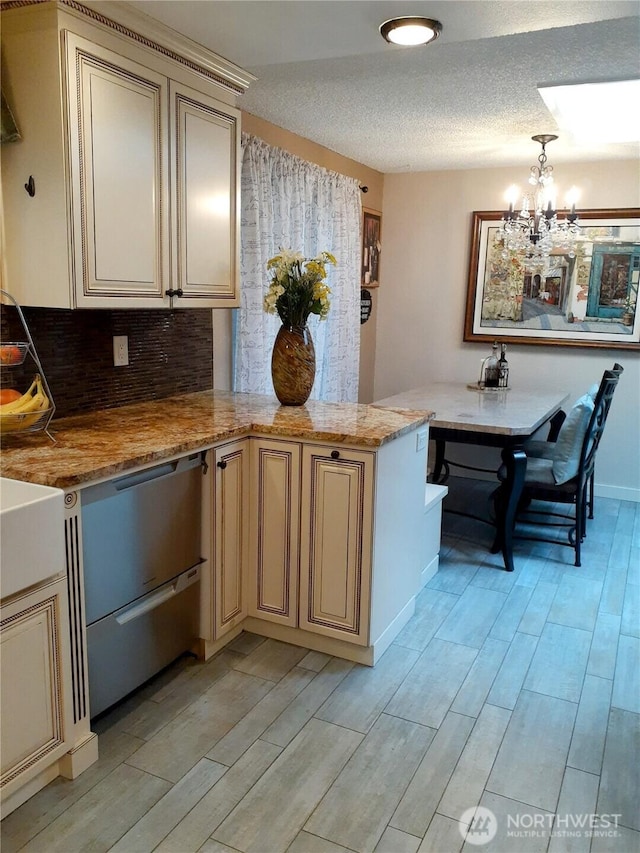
(467, 100)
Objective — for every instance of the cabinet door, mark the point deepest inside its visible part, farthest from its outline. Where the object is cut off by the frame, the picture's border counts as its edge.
(275, 522)
(205, 189)
(231, 533)
(35, 684)
(335, 542)
(119, 152)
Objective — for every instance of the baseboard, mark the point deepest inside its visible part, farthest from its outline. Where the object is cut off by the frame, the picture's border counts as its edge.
(620, 493)
(430, 570)
(382, 643)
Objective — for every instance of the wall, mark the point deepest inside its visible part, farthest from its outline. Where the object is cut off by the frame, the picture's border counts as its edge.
(169, 353)
(427, 231)
(314, 153)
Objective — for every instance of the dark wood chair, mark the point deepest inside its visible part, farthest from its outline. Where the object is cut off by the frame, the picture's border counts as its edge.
(544, 449)
(550, 479)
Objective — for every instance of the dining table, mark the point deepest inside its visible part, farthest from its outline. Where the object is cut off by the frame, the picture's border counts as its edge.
(505, 418)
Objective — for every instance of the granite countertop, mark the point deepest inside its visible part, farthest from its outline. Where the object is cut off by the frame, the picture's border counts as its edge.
(102, 444)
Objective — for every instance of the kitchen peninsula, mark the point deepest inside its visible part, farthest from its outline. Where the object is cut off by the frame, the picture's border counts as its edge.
(314, 525)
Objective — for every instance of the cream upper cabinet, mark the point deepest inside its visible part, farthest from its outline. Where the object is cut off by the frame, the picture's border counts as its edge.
(134, 155)
(336, 542)
(119, 161)
(272, 586)
(205, 187)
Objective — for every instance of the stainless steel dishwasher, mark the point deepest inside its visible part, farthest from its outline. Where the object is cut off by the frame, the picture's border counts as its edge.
(141, 556)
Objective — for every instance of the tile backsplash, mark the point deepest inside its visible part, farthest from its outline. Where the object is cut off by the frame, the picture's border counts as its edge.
(170, 352)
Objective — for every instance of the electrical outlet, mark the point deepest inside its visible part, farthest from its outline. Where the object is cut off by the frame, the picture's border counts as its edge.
(421, 440)
(120, 350)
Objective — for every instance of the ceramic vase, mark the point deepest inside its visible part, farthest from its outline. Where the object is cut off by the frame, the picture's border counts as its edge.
(293, 365)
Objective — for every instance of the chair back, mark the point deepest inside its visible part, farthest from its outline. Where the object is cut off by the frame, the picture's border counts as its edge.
(601, 407)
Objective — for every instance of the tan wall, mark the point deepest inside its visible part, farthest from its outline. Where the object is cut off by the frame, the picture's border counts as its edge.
(372, 199)
(427, 231)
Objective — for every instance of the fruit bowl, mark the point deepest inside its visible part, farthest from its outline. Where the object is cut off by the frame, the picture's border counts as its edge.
(13, 352)
(24, 421)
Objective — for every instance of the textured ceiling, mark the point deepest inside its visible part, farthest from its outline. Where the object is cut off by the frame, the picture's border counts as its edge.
(467, 100)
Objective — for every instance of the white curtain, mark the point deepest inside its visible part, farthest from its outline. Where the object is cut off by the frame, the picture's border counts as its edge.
(292, 204)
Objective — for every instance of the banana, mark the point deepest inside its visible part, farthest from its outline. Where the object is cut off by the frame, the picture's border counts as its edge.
(27, 410)
(16, 405)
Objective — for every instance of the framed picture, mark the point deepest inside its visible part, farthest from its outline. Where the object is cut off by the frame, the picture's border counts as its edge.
(586, 300)
(371, 248)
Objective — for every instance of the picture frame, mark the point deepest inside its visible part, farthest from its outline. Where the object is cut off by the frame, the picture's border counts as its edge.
(589, 300)
(371, 248)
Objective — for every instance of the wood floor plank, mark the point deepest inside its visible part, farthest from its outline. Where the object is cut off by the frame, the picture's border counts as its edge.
(283, 730)
(196, 826)
(466, 785)
(576, 602)
(271, 660)
(359, 804)
(420, 801)
(587, 743)
(247, 730)
(626, 681)
(98, 819)
(273, 812)
(315, 661)
(535, 616)
(620, 778)
(506, 625)
(304, 842)
(578, 796)
(630, 624)
(145, 835)
(477, 684)
(443, 834)
(426, 696)
(432, 608)
(604, 646)
(395, 841)
(615, 841)
(472, 617)
(530, 763)
(508, 682)
(559, 662)
(612, 600)
(185, 740)
(358, 701)
(516, 831)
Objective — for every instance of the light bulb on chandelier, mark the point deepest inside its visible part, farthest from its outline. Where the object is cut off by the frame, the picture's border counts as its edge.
(535, 230)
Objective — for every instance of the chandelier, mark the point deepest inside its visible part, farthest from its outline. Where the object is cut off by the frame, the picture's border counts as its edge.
(536, 231)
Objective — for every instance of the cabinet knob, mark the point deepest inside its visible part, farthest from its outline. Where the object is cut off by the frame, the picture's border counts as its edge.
(222, 464)
(171, 292)
(335, 454)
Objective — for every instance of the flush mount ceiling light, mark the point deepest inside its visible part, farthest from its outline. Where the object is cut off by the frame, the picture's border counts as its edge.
(596, 112)
(410, 30)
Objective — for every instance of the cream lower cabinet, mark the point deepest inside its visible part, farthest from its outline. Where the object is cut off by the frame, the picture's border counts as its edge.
(35, 689)
(336, 542)
(230, 508)
(275, 525)
(311, 511)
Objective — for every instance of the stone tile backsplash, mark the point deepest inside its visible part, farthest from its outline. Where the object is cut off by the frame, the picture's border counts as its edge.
(170, 352)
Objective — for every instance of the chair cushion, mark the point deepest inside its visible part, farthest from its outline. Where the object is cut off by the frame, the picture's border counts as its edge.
(539, 449)
(566, 454)
(540, 471)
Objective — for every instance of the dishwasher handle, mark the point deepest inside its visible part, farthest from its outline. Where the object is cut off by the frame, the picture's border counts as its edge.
(157, 597)
(129, 481)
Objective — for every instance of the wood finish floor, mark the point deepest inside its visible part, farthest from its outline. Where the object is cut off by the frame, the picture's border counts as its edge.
(516, 692)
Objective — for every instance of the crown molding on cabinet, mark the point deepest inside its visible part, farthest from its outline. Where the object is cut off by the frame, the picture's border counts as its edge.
(136, 25)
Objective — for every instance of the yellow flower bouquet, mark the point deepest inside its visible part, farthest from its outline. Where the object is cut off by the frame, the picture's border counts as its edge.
(298, 287)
